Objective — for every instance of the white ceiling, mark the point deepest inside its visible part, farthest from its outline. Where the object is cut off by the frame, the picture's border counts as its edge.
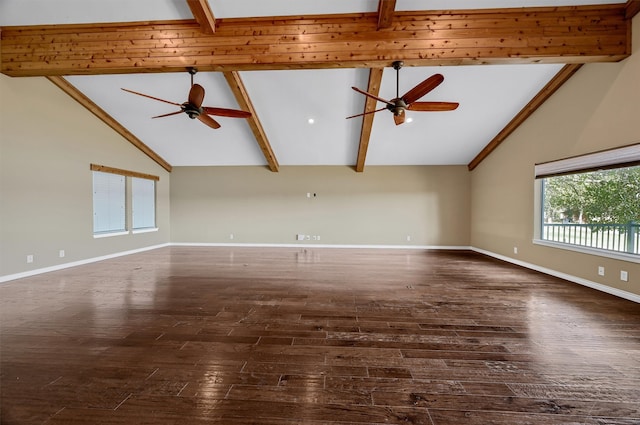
(489, 95)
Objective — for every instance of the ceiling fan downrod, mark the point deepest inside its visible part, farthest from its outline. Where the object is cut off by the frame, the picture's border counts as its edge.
(193, 111)
(191, 70)
(399, 104)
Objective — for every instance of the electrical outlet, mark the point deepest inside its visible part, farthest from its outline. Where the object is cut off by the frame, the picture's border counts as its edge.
(624, 276)
(515, 249)
(29, 258)
(231, 236)
(61, 253)
(300, 237)
(408, 238)
(600, 271)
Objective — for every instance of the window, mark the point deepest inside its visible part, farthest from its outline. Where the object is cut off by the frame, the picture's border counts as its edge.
(122, 200)
(592, 201)
(109, 213)
(143, 192)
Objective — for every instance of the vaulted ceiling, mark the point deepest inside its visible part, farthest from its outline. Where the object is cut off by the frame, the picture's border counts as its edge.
(293, 64)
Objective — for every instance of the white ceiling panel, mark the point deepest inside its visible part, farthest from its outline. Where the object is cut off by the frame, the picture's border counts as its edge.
(246, 8)
(178, 139)
(489, 98)
(287, 100)
(43, 12)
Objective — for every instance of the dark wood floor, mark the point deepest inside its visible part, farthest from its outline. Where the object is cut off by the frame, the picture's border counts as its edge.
(186, 335)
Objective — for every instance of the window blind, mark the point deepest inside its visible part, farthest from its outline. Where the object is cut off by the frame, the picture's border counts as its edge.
(626, 156)
(143, 193)
(109, 212)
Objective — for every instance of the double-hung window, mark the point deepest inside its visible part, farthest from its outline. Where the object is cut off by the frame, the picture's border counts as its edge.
(122, 201)
(592, 203)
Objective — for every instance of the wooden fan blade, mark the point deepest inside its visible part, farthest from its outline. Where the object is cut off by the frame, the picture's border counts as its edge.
(209, 121)
(399, 119)
(433, 106)
(196, 95)
(151, 97)
(367, 113)
(224, 112)
(379, 99)
(168, 115)
(423, 88)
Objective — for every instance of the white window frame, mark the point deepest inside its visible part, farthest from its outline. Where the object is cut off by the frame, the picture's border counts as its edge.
(626, 156)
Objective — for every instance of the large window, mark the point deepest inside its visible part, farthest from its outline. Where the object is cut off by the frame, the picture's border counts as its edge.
(122, 200)
(592, 201)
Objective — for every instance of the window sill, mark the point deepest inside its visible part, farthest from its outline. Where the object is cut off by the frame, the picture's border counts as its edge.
(109, 234)
(145, 230)
(591, 251)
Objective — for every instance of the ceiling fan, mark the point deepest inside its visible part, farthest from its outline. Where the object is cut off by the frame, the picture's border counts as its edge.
(193, 106)
(408, 101)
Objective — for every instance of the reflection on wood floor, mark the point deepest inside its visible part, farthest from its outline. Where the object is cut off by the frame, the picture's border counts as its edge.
(195, 335)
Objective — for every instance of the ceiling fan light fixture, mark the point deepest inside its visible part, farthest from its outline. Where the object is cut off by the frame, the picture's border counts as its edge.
(410, 99)
(193, 106)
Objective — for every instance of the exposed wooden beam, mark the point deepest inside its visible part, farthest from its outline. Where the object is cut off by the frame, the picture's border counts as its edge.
(556, 82)
(386, 10)
(83, 100)
(576, 34)
(375, 77)
(240, 92)
(203, 15)
(121, 172)
(632, 8)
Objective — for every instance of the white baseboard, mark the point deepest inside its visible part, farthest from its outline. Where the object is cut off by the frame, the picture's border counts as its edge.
(588, 283)
(34, 272)
(317, 245)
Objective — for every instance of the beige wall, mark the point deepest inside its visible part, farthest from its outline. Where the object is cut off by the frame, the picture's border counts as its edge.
(382, 206)
(47, 142)
(598, 108)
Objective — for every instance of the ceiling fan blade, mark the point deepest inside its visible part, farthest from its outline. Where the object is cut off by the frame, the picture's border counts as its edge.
(399, 119)
(379, 99)
(151, 97)
(196, 95)
(423, 88)
(209, 121)
(433, 106)
(224, 112)
(367, 113)
(168, 115)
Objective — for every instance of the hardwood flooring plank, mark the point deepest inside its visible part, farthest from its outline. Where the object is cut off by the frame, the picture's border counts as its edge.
(206, 335)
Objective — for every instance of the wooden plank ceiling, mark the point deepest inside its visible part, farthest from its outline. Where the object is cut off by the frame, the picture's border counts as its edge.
(570, 35)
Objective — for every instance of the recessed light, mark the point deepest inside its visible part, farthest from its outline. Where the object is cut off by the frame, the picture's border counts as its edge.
(409, 119)
(311, 120)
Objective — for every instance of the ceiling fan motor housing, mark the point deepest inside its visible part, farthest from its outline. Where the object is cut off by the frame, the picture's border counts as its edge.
(191, 110)
(398, 107)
